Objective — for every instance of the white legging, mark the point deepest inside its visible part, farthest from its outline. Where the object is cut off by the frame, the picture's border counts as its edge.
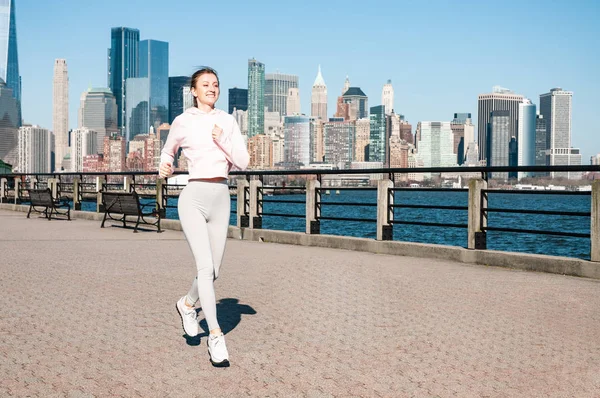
(204, 209)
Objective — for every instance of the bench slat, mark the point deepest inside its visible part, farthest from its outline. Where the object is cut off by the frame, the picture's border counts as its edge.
(127, 204)
(123, 203)
(41, 197)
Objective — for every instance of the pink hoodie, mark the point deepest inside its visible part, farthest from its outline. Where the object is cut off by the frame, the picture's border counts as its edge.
(207, 158)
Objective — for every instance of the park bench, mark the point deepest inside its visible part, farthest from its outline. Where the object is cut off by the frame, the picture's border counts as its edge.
(42, 199)
(119, 205)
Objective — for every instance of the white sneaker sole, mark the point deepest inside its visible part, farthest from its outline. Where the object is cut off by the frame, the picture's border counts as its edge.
(223, 364)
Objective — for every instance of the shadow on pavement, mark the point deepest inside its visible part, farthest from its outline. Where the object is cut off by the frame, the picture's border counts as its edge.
(229, 315)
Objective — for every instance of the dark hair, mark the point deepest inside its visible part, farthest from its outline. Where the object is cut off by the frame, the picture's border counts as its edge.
(202, 71)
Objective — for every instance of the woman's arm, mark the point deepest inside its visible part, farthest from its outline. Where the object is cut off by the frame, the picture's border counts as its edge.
(234, 148)
(173, 142)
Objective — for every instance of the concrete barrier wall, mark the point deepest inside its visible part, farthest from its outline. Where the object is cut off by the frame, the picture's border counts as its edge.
(522, 261)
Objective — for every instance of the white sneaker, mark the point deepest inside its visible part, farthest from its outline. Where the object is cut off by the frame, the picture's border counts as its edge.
(189, 318)
(217, 349)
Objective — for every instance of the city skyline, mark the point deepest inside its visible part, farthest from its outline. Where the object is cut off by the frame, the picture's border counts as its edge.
(430, 88)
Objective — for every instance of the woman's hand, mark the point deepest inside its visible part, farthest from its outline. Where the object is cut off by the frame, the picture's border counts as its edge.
(165, 170)
(216, 132)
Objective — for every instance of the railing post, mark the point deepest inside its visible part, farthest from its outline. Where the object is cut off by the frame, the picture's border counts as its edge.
(477, 200)
(3, 190)
(255, 204)
(17, 190)
(99, 187)
(76, 201)
(160, 208)
(243, 220)
(53, 185)
(385, 214)
(595, 227)
(127, 180)
(313, 207)
(32, 183)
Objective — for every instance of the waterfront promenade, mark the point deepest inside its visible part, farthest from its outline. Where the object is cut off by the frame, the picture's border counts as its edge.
(90, 312)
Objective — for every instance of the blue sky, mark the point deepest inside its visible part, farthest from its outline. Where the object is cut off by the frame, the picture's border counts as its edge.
(439, 54)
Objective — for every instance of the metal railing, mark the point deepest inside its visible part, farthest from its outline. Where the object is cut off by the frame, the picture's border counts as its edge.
(486, 210)
(282, 191)
(321, 204)
(251, 197)
(428, 207)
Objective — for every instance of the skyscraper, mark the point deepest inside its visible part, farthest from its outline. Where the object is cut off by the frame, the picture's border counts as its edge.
(277, 87)
(399, 156)
(498, 139)
(238, 99)
(464, 134)
(392, 129)
(358, 103)
(318, 102)
(297, 141)
(98, 112)
(176, 85)
(361, 140)
(35, 150)
(293, 102)
(273, 124)
(256, 98)
(555, 107)
(154, 65)
(316, 140)
(435, 143)
(472, 155)
(84, 143)
(9, 56)
(378, 139)
(277, 149)
(392, 124)
(540, 141)
(137, 111)
(9, 125)
(526, 140)
(406, 132)
(501, 99)
(60, 112)
(124, 63)
(387, 97)
(339, 142)
(513, 156)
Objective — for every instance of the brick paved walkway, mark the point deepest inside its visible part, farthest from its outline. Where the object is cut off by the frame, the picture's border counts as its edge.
(89, 312)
